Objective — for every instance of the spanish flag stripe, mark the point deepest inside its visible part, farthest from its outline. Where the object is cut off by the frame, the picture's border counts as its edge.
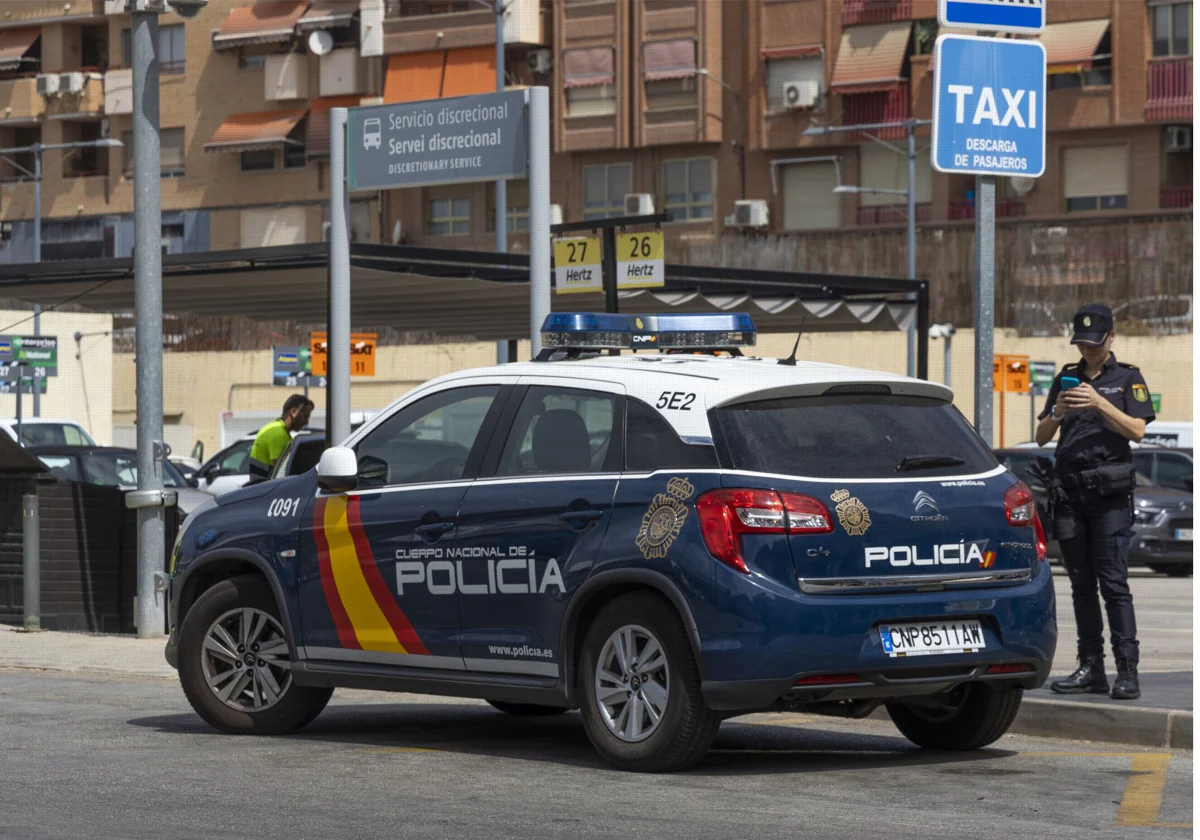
(370, 625)
(395, 616)
(345, 630)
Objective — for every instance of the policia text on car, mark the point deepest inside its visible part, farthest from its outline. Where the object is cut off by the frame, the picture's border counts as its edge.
(1101, 405)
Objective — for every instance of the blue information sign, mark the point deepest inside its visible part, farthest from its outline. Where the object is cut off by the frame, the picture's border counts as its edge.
(1023, 16)
(989, 106)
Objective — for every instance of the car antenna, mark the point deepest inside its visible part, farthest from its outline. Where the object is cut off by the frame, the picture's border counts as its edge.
(790, 361)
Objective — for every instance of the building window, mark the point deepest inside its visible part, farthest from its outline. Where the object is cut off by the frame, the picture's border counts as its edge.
(688, 189)
(671, 94)
(809, 202)
(172, 154)
(1171, 30)
(604, 190)
(259, 160)
(254, 61)
(170, 48)
(592, 101)
(449, 216)
(295, 155)
(172, 238)
(1095, 178)
(517, 212)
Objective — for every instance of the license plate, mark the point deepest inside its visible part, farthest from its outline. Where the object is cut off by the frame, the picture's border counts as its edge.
(1183, 534)
(931, 637)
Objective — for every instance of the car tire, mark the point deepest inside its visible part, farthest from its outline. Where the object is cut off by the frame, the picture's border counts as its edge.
(685, 727)
(525, 709)
(976, 717)
(204, 670)
(1171, 570)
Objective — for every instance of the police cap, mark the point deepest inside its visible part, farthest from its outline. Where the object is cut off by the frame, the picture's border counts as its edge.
(1091, 324)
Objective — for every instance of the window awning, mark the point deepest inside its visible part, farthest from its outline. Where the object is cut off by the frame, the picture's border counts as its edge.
(262, 23)
(588, 67)
(255, 131)
(1071, 46)
(675, 59)
(14, 43)
(327, 14)
(871, 58)
(804, 51)
(318, 122)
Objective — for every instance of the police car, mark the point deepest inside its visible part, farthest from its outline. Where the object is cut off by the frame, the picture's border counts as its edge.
(661, 540)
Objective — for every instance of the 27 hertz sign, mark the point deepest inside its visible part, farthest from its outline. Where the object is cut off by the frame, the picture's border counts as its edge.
(362, 353)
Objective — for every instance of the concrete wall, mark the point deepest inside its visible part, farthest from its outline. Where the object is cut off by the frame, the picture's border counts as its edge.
(83, 389)
(198, 387)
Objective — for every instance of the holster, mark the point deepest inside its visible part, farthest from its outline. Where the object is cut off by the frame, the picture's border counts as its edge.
(1110, 479)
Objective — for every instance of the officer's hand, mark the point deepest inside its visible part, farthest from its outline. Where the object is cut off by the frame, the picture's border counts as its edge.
(1081, 397)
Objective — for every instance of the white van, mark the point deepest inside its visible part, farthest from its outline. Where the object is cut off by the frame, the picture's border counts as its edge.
(1168, 433)
(45, 431)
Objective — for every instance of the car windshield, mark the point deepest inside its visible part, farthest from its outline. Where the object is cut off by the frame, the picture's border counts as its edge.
(54, 434)
(119, 469)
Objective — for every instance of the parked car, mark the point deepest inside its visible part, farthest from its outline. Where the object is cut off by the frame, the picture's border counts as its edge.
(1162, 520)
(113, 467)
(1166, 467)
(45, 431)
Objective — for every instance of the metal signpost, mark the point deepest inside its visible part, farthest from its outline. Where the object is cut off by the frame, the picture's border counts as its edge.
(1010, 375)
(291, 367)
(1041, 377)
(25, 363)
(989, 119)
(487, 137)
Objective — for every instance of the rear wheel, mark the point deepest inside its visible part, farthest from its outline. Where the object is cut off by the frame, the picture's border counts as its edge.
(967, 717)
(525, 709)
(1172, 570)
(640, 684)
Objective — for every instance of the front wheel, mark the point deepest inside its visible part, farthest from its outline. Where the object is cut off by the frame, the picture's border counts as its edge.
(642, 708)
(967, 717)
(1179, 570)
(234, 663)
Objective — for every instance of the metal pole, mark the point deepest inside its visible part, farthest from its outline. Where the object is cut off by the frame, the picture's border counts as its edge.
(338, 393)
(20, 429)
(1032, 415)
(912, 236)
(921, 336)
(147, 268)
(37, 257)
(501, 186)
(946, 361)
(608, 270)
(539, 213)
(32, 555)
(985, 301)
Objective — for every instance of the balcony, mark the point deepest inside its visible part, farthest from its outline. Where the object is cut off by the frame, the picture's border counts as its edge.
(86, 103)
(20, 101)
(53, 11)
(1006, 208)
(856, 12)
(1175, 198)
(1169, 89)
(877, 107)
(118, 92)
(423, 25)
(893, 214)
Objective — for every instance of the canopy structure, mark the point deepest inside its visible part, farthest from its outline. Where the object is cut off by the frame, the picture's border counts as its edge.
(464, 294)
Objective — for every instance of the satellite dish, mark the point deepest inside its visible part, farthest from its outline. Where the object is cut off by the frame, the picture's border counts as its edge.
(320, 42)
(1022, 186)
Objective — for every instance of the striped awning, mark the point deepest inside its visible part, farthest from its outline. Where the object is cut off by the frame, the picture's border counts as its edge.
(327, 14)
(1071, 46)
(262, 23)
(802, 51)
(675, 59)
(14, 43)
(255, 131)
(588, 67)
(871, 58)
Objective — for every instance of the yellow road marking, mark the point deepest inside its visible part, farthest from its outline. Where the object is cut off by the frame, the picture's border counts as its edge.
(1144, 792)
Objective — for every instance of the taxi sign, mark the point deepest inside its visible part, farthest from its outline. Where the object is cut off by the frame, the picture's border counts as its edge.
(640, 261)
(362, 353)
(1010, 374)
(578, 265)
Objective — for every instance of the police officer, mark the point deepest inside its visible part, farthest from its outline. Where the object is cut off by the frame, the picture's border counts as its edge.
(1100, 405)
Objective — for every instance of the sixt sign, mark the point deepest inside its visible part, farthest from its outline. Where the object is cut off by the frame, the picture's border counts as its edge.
(989, 106)
(438, 141)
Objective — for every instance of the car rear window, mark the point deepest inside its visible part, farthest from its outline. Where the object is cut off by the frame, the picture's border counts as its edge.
(847, 436)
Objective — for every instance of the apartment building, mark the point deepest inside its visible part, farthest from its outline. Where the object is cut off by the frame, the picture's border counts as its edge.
(689, 105)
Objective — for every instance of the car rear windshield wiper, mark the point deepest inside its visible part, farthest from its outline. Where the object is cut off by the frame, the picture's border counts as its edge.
(921, 462)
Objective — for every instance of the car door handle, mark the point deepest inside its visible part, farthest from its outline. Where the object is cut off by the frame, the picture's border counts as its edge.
(435, 529)
(574, 516)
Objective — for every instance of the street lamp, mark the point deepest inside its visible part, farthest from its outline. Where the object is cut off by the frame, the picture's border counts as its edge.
(737, 102)
(36, 174)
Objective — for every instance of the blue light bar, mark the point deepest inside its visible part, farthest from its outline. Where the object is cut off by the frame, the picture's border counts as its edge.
(606, 331)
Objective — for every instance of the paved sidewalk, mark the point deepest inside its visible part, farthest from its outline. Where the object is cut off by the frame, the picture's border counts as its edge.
(84, 652)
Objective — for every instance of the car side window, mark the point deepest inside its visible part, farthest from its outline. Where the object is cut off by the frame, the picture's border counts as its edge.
(306, 457)
(1173, 471)
(561, 431)
(1143, 462)
(236, 461)
(74, 436)
(651, 444)
(429, 440)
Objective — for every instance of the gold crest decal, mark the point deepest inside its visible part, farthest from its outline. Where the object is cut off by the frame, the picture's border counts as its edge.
(638, 323)
(1087, 320)
(1140, 393)
(852, 513)
(664, 519)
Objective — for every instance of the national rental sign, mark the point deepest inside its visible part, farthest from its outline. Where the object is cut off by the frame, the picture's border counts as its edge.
(38, 353)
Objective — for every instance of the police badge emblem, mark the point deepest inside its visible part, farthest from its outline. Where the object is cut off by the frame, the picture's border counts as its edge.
(852, 513)
(1087, 320)
(1140, 393)
(664, 519)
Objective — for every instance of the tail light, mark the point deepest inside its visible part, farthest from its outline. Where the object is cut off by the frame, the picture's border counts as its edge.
(1039, 534)
(1013, 668)
(728, 513)
(1020, 508)
(829, 679)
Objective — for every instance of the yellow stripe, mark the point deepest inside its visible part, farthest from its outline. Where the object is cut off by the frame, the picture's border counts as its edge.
(1144, 792)
(371, 626)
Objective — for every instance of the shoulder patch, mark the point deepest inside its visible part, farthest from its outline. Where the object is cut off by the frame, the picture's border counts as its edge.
(1127, 365)
(1069, 366)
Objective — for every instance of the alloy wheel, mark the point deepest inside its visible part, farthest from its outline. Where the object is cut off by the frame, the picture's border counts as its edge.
(632, 683)
(245, 660)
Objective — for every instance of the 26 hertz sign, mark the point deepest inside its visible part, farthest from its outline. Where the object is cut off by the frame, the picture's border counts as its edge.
(362, 353)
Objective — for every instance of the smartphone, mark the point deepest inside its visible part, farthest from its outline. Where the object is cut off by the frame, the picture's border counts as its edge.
(1069, 382)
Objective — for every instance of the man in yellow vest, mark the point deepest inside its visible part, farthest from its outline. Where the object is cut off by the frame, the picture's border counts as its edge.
(274, 437)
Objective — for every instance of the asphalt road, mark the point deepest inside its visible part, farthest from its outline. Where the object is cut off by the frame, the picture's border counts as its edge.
(108, 756)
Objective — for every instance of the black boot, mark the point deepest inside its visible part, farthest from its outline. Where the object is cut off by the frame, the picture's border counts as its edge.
(1088, 678)
(1126, 687)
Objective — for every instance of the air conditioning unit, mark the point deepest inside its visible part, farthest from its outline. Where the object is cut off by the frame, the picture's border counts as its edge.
(48, 85)
(556, 214)
(540, 61)
(639, 204)
(800, 94)
(72, 83)
(1179, 138)
(751, 214)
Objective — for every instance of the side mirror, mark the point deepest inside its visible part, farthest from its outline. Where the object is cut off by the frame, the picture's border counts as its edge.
(198, 451)
(337, 471)
(210, 471)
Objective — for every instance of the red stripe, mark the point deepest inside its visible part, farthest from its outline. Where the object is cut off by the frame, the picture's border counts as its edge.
(405, 633)
(333, 600)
